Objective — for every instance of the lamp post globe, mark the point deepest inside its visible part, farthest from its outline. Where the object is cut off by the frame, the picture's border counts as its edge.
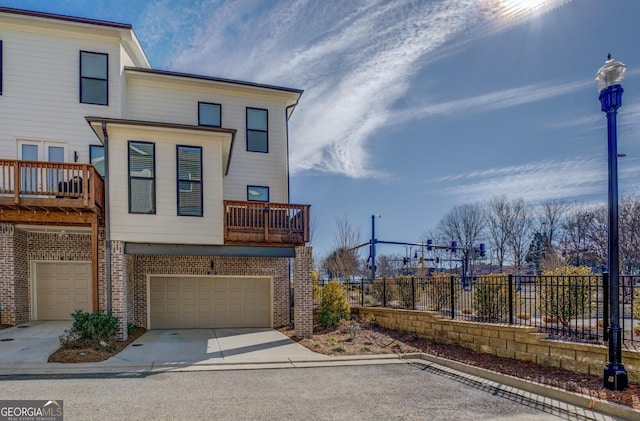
(609, 84)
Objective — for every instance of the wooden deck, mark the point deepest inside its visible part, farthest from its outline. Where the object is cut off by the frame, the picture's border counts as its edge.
(49, 192)
(266, 223)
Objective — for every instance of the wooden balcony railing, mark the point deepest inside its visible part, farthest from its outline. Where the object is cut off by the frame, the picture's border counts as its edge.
(275, 224)
(50, 186)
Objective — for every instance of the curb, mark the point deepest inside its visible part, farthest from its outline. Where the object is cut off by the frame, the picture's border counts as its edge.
(579, 400)
(121, 367)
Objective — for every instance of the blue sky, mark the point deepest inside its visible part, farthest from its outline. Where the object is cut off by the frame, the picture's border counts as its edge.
(413, 107)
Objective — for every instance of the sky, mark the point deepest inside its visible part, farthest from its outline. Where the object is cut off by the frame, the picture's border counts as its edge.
(413, 107)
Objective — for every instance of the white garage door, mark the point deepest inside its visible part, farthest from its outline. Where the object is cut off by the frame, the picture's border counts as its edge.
(61, 289)
(209, 302)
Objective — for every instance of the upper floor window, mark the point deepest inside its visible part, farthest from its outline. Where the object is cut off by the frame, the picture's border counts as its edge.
(189, 169)
(0, 67)
(209, 114)
(96, 157)
(142, 177)
(257, 194)
(94, 80)
(257, 128)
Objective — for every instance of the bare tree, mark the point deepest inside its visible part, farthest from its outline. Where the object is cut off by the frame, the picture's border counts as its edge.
(519, 232)
(630, 234)
(577, 247)
(464, 224)
(498, 226)
(343, 261)
(550, 220)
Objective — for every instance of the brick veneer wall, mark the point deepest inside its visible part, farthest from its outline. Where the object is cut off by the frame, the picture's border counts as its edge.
(119, 288)
(278, 268)
(21, 280)
(521, 343)
(7, 274)
(56, 246)
(303, 290)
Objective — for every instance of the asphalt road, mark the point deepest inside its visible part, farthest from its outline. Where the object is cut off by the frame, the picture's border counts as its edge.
(383, 392)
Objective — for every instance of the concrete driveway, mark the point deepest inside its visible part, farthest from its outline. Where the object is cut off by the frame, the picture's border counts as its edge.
(31, 342)
(211, 346)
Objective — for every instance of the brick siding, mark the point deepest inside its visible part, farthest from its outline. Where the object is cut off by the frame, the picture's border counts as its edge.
(278, 268)
(303, 312)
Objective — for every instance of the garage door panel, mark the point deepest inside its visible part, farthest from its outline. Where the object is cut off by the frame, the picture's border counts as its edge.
(209, 302)
(62, 288)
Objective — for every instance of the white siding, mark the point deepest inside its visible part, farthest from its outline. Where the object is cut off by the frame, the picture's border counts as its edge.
(165, 226)
(40, 98)
(177, 102)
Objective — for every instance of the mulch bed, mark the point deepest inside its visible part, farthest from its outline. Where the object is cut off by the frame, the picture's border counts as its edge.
(73, 354)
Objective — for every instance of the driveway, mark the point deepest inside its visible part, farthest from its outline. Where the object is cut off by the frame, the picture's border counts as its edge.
(211, 346)
(33, 342)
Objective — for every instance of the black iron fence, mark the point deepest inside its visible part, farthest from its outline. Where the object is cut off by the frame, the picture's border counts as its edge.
(568, 307)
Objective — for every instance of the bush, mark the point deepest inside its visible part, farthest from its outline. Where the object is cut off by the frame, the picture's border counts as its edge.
(491, 297)
(382, 290)
(565, 293)
(439, 290)
(97, 330)
(406, 290)
(334, 306)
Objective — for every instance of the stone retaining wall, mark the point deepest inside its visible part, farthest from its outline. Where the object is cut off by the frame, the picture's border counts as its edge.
(521, 343)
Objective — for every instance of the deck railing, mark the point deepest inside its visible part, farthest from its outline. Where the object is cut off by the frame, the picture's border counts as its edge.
(39, 184)
(266, 223)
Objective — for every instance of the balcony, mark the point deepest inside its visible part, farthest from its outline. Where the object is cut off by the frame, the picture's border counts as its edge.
(50, 192)
(267, 224)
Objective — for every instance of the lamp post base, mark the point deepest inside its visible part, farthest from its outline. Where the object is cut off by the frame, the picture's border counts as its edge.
(615, 377)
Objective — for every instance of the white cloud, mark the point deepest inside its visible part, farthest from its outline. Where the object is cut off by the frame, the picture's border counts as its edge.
(354, 59)
(579, 178)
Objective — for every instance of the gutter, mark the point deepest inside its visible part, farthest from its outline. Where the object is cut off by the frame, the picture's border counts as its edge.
(107, 217)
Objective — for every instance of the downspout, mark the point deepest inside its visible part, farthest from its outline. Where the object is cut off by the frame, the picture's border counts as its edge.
(286, 117)
(107, 217)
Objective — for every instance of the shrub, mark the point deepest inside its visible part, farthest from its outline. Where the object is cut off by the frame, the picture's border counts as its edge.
(97, 330)
(491, 297)
(439, 290)
(334, 306)
(382, 290)
(565, 293)
(406, 290)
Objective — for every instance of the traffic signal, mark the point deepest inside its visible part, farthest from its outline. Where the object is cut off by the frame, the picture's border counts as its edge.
(482, 250)
(454, 246)
(429, 243)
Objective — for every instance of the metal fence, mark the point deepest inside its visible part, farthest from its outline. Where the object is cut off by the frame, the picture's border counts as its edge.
(566, 307)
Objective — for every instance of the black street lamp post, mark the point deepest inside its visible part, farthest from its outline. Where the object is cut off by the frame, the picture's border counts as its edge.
(609, 82)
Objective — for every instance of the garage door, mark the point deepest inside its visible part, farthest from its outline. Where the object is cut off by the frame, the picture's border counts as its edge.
(62, 288)
(209, 302)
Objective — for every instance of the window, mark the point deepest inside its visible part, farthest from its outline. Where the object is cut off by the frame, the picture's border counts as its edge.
(0, 67)
(257, 139)
(94, 81)
(257, 194)
(96, 157)
(189, 168)
(142, 181)
(209, 114)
